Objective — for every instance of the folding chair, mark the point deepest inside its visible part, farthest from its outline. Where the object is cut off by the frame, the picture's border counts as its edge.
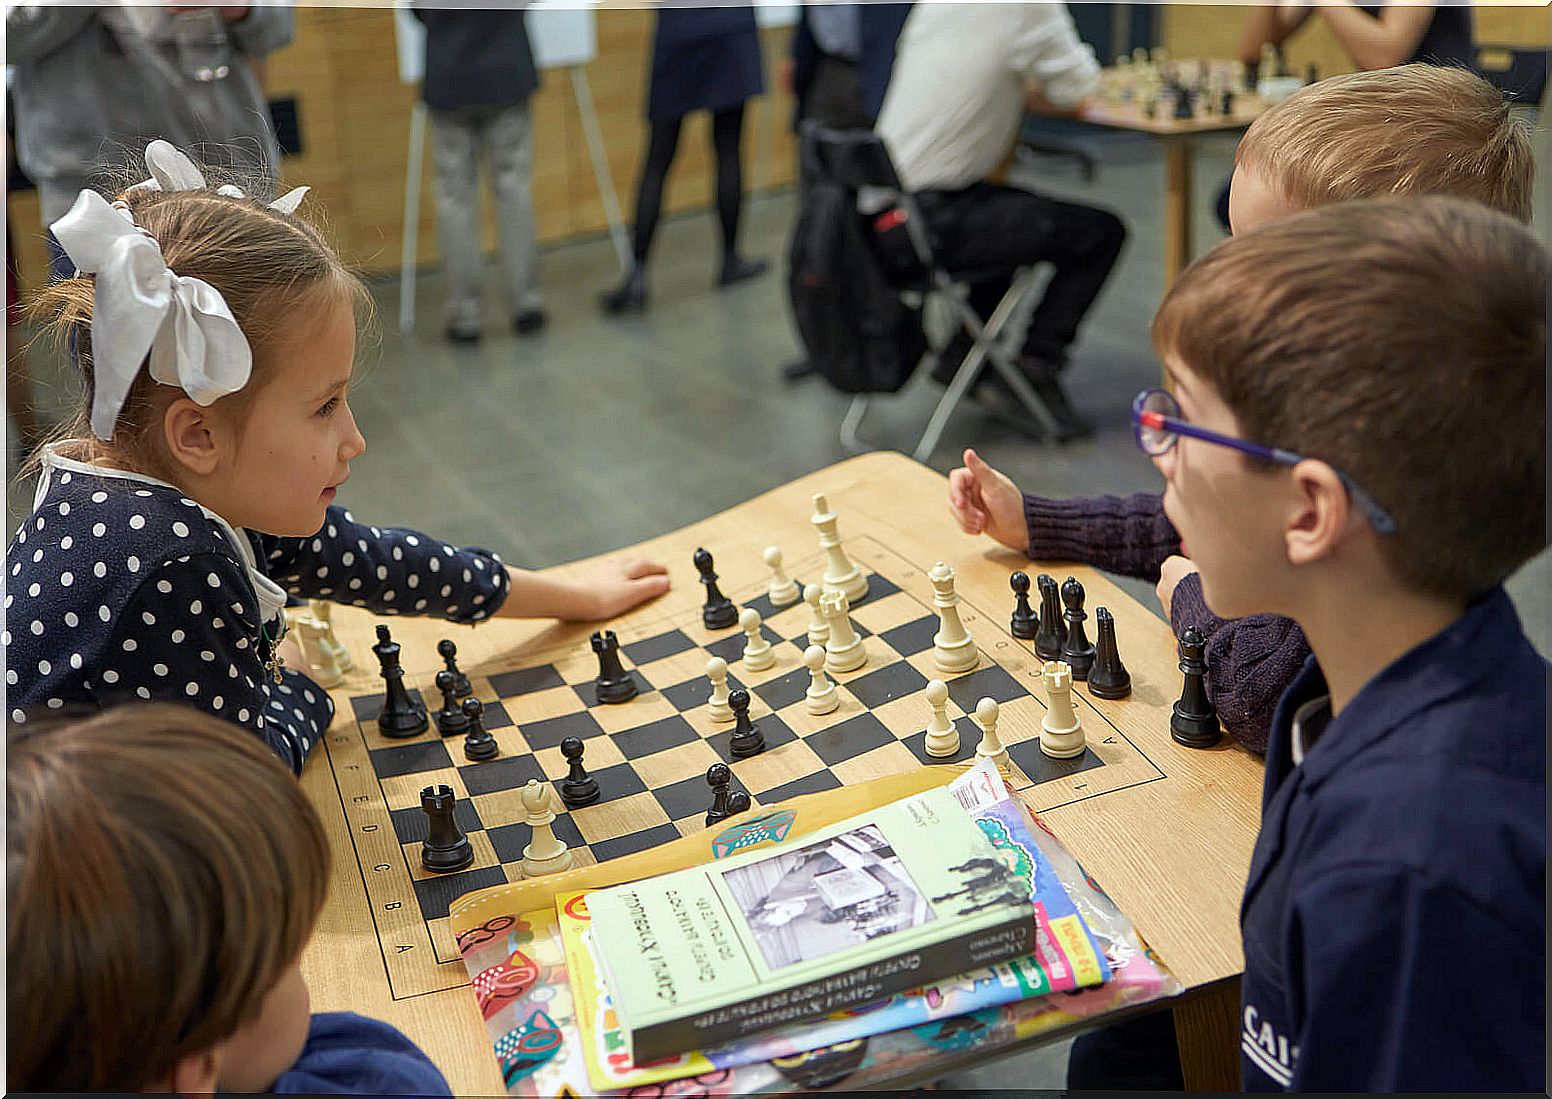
(859, 161)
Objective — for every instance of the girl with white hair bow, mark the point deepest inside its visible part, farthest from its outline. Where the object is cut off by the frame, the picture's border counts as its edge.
(216, 339)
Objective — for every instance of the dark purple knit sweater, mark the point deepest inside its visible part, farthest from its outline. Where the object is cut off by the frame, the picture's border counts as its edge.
(1250, 661)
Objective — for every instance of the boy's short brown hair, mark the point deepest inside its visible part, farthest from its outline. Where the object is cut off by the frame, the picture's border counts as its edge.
(1409, 130)
(163, 871)
(1404, 341)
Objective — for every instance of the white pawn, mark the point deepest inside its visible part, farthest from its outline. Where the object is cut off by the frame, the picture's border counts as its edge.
(822, 696)
(942, 737)
(717, 708)
(986, 713)
(1061, 733)
(843, 650)
(544, 854)
(757, 651)
(953, 649)
(818, 628)
(783, 590)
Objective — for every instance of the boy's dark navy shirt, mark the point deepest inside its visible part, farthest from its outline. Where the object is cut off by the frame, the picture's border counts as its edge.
(348, 1054)
(1394, 920)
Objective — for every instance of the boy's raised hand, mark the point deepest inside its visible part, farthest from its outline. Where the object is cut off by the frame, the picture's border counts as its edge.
(985, 501)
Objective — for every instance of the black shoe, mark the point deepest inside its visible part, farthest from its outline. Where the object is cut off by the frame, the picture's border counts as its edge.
(463, 337)
(948, 361)
(737, 269)
(798, 370)
(1044, 378)
(529, 321)
(999, 401)
(628, 297)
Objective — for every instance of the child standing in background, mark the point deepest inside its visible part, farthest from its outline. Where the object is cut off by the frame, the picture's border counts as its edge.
(216, 336)
(164, 873)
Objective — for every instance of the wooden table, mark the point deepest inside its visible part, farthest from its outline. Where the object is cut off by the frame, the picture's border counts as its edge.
(1171, 848)
(1178, 136)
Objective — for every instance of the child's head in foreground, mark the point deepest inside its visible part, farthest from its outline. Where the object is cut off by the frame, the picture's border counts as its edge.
(164, 872)
(264, 448)
(1409, 130)
(1401, 342)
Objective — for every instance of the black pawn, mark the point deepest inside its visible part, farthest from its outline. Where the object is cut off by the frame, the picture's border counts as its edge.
(725, 802)
(1185, 105)
(747, 739)
(401, 715)
(1025, 622)
(1077, 650)
(446, 847)
(449, 719)
(478, 744)
(1051, 631)
(578, 788)
(719, 612)
(1108, 678)
(614, 683)
(449, 654)
(1193, 721)
(1226, 105)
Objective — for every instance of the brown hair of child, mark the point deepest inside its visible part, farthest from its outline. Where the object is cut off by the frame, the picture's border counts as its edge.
(163, 870)
(274, 270)
(1403, 341)
(1410, 130)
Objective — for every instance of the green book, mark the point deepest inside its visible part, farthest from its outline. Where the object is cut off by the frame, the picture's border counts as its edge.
(898, 897)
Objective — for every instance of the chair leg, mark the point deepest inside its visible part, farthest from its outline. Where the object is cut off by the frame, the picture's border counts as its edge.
(982, 351)
(853, 442)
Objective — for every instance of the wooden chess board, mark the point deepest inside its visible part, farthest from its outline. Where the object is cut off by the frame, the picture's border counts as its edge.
(1166, 830)
(650, 755)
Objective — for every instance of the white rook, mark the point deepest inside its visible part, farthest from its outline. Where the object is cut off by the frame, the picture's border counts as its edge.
(843, 651)
(1061, 733)
(953, 649)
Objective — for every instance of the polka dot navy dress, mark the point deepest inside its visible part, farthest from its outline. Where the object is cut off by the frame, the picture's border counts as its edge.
(120, 588)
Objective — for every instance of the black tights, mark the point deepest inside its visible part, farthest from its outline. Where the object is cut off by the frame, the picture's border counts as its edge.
(726, 129)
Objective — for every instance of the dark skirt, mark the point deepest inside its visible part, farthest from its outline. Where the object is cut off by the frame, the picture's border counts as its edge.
(703, 59)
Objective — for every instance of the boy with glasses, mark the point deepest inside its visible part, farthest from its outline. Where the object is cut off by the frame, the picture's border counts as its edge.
(1410, 130)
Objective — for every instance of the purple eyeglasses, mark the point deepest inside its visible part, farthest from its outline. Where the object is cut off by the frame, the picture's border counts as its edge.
(1157, 424)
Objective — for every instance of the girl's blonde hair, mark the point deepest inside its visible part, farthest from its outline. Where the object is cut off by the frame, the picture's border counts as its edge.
(269, 266)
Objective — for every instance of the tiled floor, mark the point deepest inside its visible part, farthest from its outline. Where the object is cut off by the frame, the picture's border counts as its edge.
(601, 432)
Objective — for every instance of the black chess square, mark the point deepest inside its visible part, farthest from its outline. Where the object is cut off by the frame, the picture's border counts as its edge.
(493, 716)
(588, 691)
(633, 842)
(695, 692)
(656, 648)
(968, 739)
(913, 637)
(1040, 767)
(989, 682)
(689, 797)
(780, 693)
(849, 739)
(438, 893)
(367, 707)
(502, 773)
(644, 740)
(406, 759)
(731, 648)
(768, 609)
(526, 681)
(878, 587)
(619, 781)
(410, 824)
(773, 728)
(551, 731)
(885, 685)
(508, 840)
(808, 784)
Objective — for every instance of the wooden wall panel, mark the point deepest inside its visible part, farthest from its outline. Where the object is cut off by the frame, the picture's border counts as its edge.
(354, 116)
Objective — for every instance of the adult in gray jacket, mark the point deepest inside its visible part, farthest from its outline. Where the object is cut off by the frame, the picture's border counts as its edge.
(93, 85)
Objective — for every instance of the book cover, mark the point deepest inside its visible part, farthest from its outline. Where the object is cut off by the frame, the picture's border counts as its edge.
(906, 894)
(1067, 956)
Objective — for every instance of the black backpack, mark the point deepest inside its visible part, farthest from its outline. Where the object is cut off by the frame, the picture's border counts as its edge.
(857, 331)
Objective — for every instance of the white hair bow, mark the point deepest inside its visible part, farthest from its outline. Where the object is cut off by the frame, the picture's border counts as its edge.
(143, 307)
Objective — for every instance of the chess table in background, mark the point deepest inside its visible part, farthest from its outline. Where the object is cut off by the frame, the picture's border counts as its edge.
(1167, 831)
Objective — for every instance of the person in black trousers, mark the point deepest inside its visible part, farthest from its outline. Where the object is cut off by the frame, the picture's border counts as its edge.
(702, 59)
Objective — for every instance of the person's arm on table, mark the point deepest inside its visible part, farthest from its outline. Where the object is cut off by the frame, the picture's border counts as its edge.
(611, 589)
(1378, 41)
